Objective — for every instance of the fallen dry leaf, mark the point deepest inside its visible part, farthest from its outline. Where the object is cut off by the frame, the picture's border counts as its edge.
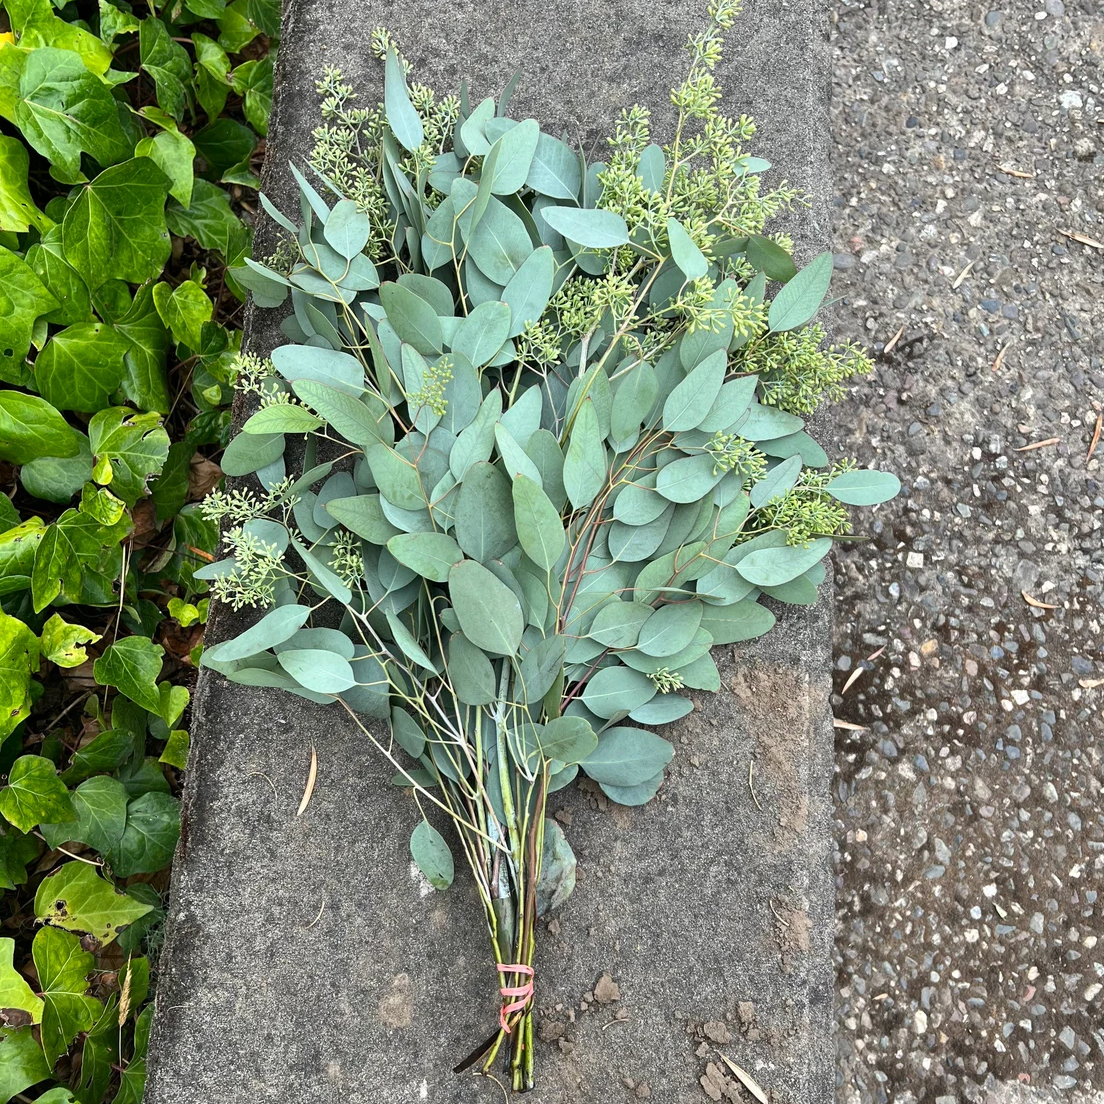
(892, 342)
(837, 723)
(203, 477)
(312, 774)
(1095, 436)
(859, 670)
(1090, 684)
(1035, 601)
(1083, 239)
(746, 1080)
(1038, 444)
(962, 276)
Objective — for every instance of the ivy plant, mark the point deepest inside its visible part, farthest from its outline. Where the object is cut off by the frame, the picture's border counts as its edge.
(129, 145)
(535, 447)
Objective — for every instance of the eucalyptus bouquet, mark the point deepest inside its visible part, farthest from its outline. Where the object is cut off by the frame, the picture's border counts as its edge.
(553, 453)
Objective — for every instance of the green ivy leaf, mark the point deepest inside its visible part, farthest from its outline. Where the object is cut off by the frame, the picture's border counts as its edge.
(64, 110)
(17, 849)
(17, 209)
(22, 1063)
(132, 665)
(253, 81)
(34, 794)
(173, 153)
(30, 428)
(168, 63)
(100, 804)
(81, 367)
(212, 74)
(114, 22)
(136, 445)
(61, 280)
(176, 749)
(61, 642)
(211, 222)
(36, 25)
(184, 309)
(63, 967)
(149, 839)
(145, 383)
(14, 990)
(18, 661)
(23, 298)
(78, 899)
(115, 229)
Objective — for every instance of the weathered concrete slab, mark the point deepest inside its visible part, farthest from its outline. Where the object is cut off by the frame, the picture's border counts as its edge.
(302, 962)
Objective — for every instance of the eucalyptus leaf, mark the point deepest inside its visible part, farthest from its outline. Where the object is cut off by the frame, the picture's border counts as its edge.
(489, 612)
(800, 299)
(864, 487)
(432, 854)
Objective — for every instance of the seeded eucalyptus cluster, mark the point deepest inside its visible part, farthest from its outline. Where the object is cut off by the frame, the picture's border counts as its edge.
(553, 453)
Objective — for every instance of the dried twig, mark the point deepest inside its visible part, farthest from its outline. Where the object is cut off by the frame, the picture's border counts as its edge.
(837, 723)
(1035, 601)
(962, 276)
(1096, 436)
(1019, 173)
(1038, 444)
(312, 774)
(751, 785)
(859, 670)
(1083, 239)
(746, 1080)
(261, 774)
(1001, 355)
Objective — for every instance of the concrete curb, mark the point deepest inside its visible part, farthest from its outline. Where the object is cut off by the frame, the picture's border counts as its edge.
(303, 961)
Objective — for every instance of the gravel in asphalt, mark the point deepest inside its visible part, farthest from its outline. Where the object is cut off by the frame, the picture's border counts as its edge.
(969, 240)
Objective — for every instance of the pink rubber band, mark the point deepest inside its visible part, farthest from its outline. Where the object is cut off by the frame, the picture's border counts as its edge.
(524, 993)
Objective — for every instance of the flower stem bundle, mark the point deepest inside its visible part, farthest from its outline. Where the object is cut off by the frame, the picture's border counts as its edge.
(553, 452)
